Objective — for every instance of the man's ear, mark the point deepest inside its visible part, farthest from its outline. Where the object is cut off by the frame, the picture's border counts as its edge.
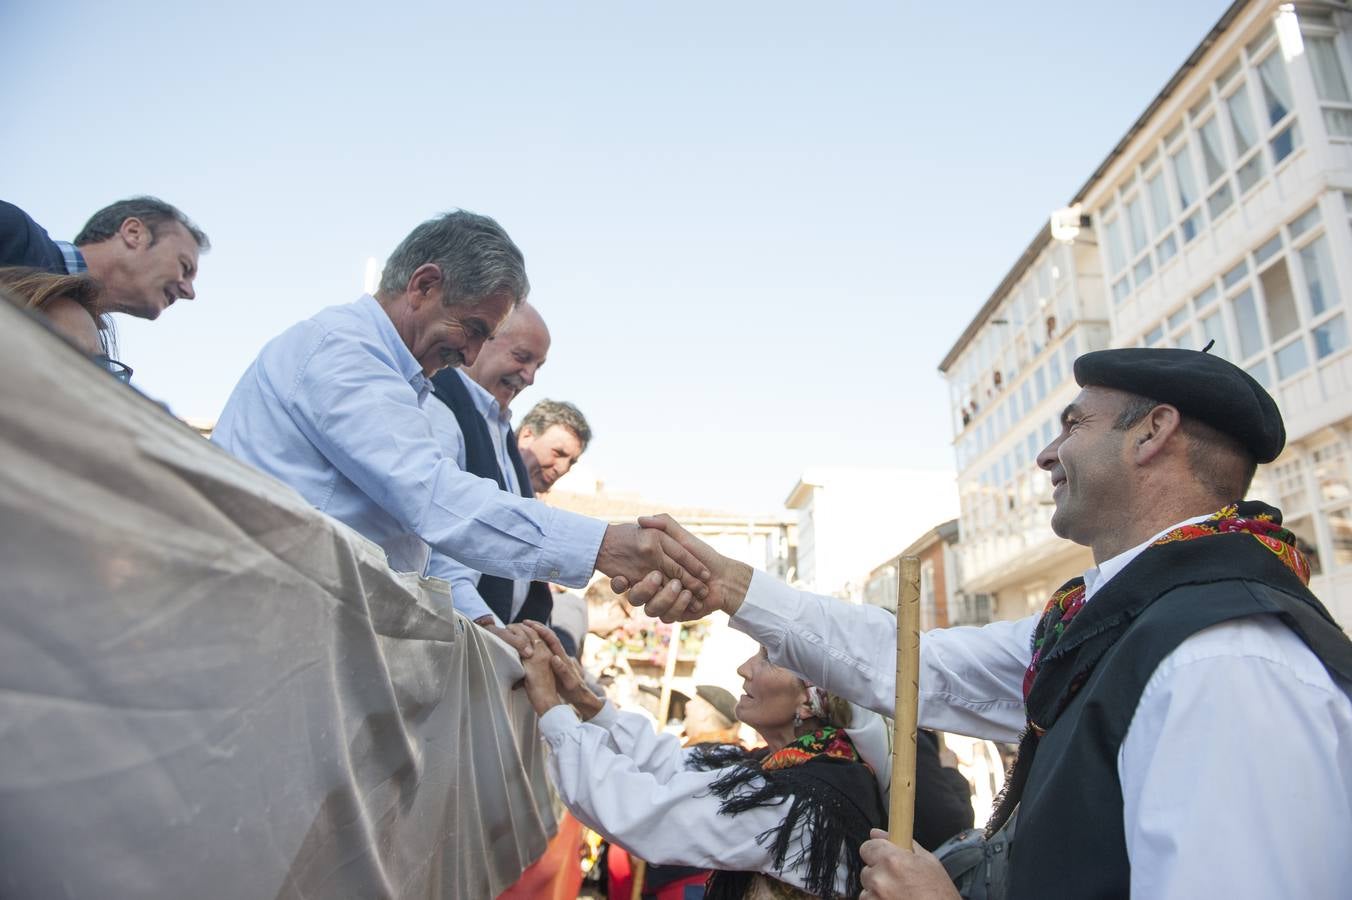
(526, 432)
(1153, 433)
(134, 234)
(426, 282)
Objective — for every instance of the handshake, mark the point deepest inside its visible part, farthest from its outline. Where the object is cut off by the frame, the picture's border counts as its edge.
(685, 580)
(671, 556)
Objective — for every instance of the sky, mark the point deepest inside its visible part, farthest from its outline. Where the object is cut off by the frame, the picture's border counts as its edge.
(755, 229)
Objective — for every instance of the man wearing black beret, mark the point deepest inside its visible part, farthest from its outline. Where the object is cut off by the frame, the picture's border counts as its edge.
(1183, 711)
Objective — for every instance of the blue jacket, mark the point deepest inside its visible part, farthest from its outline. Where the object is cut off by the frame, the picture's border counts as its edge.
(24, 242)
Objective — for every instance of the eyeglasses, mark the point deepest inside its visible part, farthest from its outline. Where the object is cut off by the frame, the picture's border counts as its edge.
(119, 370)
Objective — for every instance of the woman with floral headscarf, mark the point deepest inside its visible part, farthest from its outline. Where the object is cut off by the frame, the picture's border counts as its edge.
(785, 820)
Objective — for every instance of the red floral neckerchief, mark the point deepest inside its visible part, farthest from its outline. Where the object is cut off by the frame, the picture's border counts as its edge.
(826, 741)
(1069, 599)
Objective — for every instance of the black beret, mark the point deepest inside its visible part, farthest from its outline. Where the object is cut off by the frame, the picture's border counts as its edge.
(1201, 386)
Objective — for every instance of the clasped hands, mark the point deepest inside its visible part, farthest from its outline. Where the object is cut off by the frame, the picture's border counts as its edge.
(554, 678)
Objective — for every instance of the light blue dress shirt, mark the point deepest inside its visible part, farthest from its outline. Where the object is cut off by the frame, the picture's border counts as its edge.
(333, 407)
(464, 580)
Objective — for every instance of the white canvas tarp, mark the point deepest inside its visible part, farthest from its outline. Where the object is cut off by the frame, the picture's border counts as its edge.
(209, 689)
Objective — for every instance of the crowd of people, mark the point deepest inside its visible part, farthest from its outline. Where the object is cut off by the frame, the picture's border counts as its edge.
(1194, 630)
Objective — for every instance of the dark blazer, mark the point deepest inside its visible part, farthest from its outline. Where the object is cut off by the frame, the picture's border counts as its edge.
(481, 460)
(24, 242)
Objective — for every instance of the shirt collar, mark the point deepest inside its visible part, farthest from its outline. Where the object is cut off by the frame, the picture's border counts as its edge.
(1097, 577)
(485, 402)
(74, 259)
(402, 356)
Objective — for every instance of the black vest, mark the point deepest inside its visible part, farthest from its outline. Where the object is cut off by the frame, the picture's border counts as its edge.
(481, 460)
(1070, 840)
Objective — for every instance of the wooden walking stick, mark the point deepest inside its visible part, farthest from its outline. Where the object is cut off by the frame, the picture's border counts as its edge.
(901, 812)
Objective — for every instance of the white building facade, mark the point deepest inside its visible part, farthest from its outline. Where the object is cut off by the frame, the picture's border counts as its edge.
(848, 518)
(1009, 377)
(1222, 215)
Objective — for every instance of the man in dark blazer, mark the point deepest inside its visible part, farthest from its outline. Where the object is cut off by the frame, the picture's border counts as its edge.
(478, 434)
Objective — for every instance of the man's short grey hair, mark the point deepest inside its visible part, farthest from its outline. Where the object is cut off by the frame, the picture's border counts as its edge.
(556, 412)
(1220, 463)
(154, 212)
(476, 257)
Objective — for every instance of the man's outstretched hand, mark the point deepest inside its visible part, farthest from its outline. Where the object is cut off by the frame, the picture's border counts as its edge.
(665, 598)
(629, 553)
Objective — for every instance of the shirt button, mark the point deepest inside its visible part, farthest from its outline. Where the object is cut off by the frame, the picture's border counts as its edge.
(553, 573)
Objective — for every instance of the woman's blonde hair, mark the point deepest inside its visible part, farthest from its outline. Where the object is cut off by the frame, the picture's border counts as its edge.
(34, 289)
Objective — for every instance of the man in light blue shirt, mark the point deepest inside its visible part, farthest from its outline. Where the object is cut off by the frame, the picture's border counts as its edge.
(334, 407)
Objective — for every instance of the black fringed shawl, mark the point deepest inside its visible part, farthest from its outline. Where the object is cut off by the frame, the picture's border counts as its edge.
(832, 801)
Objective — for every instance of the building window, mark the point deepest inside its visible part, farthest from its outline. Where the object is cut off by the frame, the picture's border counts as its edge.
(1213, 329)
(1245, 134)
(1188, 194)
(1291, 359)
(1317, 267)
(1276, 88)
(1246, 323)
(1340, 529)
(1303, 222)
(1213, 154)
(1117, 259)
(1268, 250)
(1292, 495)
(1330, 83)
(1330, 337)
(1259, 373)
(1280, 301)
(1330, 471)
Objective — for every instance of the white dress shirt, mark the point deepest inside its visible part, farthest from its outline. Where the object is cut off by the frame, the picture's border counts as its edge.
(630, 784)
(464, 580)
(334, 407)
(1236, 770)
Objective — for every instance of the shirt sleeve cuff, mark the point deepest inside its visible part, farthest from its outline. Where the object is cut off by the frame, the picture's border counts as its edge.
(469, 604)
(768, 607)
(606, 718)
(557, 722)
(569, 556)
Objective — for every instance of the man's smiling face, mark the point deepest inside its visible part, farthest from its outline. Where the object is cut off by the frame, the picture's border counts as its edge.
(508, 363)
(1088, 465)
(442, 335)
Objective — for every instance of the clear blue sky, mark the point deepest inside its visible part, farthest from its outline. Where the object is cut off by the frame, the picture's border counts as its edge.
(754, 228)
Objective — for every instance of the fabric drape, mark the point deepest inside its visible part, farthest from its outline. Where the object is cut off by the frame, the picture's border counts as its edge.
(210, 689)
